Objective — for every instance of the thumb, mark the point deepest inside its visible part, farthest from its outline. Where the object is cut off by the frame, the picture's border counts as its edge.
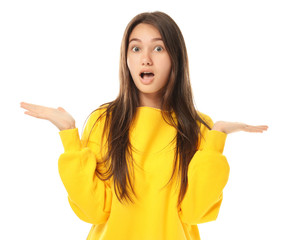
(61, 109)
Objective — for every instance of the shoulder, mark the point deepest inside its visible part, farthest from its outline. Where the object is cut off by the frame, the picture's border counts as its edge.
(94, 122)
(99, 113)
(96, 116)
(206, 118)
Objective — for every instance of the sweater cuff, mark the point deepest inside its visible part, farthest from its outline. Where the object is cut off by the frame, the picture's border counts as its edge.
(215, 141)
(70, 140)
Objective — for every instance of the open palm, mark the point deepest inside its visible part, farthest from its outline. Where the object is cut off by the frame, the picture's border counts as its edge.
(58, 116)
(230, 127)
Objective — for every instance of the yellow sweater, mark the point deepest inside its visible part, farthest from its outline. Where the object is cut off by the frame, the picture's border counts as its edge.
(155, 215)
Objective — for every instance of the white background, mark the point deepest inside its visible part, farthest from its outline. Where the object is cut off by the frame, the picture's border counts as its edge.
(66, 53)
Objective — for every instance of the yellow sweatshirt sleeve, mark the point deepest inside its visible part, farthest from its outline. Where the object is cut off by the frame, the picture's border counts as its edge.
(208, 173)
(89, 197)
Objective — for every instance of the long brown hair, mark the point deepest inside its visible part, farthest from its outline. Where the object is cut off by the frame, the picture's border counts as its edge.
(176, 97)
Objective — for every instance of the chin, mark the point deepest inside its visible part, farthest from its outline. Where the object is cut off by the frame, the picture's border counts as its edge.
(149, 91)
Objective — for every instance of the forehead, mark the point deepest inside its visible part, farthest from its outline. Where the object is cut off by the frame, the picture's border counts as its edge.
(144, 32)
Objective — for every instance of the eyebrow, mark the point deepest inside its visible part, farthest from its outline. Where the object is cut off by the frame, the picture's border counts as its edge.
(137, 39)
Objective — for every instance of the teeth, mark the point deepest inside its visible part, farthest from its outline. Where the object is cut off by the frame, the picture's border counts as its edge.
(143, 73)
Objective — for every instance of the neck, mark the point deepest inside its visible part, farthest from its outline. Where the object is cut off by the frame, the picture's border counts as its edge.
(150, 100)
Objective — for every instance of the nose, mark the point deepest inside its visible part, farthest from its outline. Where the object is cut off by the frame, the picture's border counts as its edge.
(146, 59)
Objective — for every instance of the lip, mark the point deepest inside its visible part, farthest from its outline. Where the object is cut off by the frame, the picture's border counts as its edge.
(146, 70)
(146, 81)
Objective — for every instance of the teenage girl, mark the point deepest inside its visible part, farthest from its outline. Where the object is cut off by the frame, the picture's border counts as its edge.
(120, 176)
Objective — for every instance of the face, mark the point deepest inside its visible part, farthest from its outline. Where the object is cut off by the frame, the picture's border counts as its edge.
(148, 60)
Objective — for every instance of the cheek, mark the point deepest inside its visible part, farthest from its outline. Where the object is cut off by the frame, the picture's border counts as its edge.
(167, 67)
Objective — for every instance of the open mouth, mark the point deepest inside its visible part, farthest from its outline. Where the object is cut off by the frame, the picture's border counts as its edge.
(146, 75)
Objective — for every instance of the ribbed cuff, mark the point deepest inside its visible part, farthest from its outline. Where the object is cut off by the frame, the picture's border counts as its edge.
(215, 141)
(70, 140)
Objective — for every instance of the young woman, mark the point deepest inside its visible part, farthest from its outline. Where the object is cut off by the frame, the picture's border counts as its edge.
(120, 176)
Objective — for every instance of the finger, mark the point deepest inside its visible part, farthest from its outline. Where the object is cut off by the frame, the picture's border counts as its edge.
(61, 109)
(33, 114)
(257, 126)
(265, 127)
(36, 109)
(28, 106)
(250, 128)
(260, 126)
(24, 104)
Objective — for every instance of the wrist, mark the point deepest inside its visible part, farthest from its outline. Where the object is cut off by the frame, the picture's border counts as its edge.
(217, 127)
(70, 125)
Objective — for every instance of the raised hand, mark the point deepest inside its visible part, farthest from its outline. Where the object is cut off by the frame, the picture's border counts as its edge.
(59, 117)
(230, 127)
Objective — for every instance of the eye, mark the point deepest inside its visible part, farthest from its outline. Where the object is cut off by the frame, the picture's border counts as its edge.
(159, 49)
(135, 49)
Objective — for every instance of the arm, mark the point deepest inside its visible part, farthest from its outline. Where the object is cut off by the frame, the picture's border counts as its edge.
(89, 197)
(208, 174)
